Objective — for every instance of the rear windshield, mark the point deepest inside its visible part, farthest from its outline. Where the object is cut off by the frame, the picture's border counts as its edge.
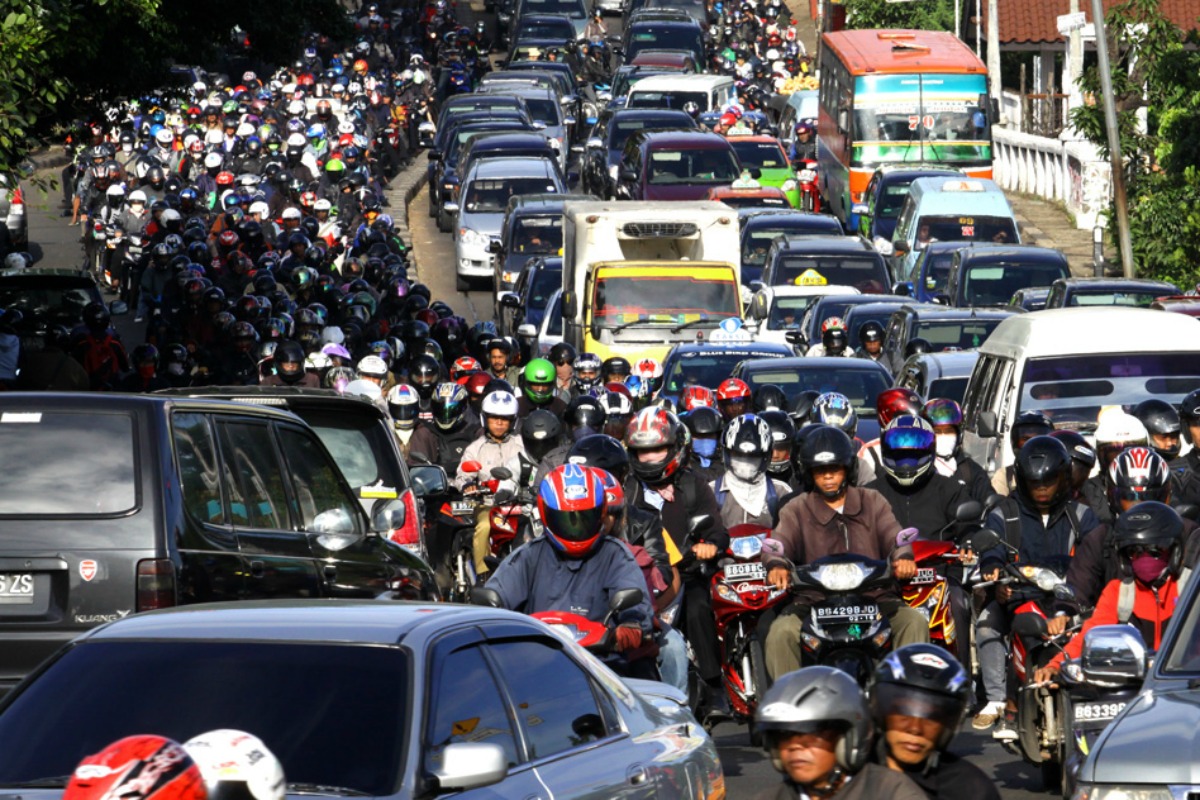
(862, 386)
(994, 284)
(296, 698)
(70, 464)
(864, 273)
(621, 130)
(571, 8)
(357, 445)
(538, 235)
(667, 99)
(956, 335)
(651, 37)
(758, 241)
(491, 196)
(692, 166)
(545, 281)
(1108, 298)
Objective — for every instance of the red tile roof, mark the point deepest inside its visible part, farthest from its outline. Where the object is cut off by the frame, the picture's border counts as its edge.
(1034, 21)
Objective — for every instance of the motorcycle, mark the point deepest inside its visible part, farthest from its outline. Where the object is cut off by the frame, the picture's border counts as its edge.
(514, 520)
(740, 593)
(806, 177)
(450, 536)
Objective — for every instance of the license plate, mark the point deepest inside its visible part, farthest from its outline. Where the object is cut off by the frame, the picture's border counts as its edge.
(16, 588)
(925, 575)
(1097, 711)
(806, 176)
(462, 509)
(748, 571)
(868, 612)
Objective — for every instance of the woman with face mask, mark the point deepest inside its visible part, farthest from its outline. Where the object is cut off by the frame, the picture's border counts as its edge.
(946, 417)
(745, 493)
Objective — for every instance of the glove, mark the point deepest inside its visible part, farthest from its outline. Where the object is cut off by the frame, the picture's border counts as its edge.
(628, 637)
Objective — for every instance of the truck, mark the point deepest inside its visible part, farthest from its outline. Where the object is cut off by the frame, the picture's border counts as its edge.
(639, 277)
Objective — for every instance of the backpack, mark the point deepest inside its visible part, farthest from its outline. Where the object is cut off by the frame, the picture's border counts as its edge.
(1012, 522)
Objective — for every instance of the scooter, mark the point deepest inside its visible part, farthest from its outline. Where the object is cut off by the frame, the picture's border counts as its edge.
(740, 594)
(514, 520)
(450, 537)
(806, 177)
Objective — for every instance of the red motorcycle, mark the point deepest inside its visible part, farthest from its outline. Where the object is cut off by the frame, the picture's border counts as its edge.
(740, 593)
(450, 537)
(513, 518)
(806, 177)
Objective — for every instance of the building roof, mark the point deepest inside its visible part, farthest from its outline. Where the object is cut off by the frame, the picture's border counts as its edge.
(1035, 21)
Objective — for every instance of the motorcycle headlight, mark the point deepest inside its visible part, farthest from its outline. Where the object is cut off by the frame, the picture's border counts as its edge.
(810, 641)
(789, 185)
(727, 594)
(841, 577)
(471, 238)
(1108, 791)
(1073, 670)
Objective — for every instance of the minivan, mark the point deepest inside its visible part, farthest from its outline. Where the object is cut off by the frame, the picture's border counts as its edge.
(990, 274)
(708, 92)
(675, 165)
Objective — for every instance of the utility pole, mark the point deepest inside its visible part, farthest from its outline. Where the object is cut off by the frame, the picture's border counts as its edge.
(993, 48)
(1114, 139)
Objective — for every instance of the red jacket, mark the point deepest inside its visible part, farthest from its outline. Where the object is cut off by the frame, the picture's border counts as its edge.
(1150, 615)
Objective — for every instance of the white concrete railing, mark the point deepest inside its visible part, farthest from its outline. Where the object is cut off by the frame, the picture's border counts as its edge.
(1069, 171)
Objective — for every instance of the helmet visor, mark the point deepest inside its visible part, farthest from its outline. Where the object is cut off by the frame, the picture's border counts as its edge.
(894, 700)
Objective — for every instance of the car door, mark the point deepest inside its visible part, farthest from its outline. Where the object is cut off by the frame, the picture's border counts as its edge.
(213, 565)
(568, 725)
(279, 562)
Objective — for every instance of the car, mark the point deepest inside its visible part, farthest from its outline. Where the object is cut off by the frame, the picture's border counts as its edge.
(547, 114)
(777, 310)
(179, 501)
(645, 14)
(885, 196)
(364, 699)
(606, 142)
(1032, 298)
(764, 156)
(759, 227)
(48, 296)
(696, 9)
(558, 76)
(988, 274)
(1069, 292)
(751, 197)
(931, 270)
(837, 305)
(530, 296)
(574, 10)
(678, 61)
(858, 315)
(653, 34)
(672, 90)
(709, 363)
(446, 169)
(1181, 304)
(554, 30)
(944, 328)
(509, 109)
(532, 227)
(12, 211)
(511, 143)
(860, 379)
(675, 165)
(933, 375)
(539, 339)
(624, 79)
(848, 261)
(481, 203)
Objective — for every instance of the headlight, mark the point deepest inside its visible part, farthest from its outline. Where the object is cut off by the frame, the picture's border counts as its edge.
(471, 238)
(1106, 791)
(841, 577)
(789, 185)
(727, 594)
(882, 246)
(1073, 671)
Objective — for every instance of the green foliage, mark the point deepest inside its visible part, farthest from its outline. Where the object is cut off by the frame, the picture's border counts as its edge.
(1164, 222)
(933, 15)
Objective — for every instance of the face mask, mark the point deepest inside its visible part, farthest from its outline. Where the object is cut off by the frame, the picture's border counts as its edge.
(175, 368)
(745, 468)
(1148, 568)
(947, 443)
(705, 447)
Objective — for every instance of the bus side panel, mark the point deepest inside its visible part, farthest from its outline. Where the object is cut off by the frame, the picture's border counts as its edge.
(832, 173)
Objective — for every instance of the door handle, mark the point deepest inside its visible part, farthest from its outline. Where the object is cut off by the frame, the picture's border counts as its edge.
(637, 775)
(330, 571)
(257, 569)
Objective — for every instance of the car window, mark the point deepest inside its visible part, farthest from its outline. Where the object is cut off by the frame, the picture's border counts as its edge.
(554, 699)
(467, 706)
(199, 470)
(259, 500)
(315, 481)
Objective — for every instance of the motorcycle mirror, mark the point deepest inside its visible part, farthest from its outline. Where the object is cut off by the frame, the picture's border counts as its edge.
(483, 596)
(773, 547)
(503, 497)
(695, 522)
(992, 501)
(1189, 511)
(982, 540)
(471, 466)
(1066, 594)
(969, 511)
(1029, 625)
(907, 536)
(501, 473)
(625, 599)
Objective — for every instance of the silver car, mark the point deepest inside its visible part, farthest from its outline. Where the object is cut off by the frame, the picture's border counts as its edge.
(365, 698)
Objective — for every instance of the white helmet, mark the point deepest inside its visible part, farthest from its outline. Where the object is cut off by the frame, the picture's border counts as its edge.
(165, 136)
(372, 367)
(14, 261)
(212, 160)
(116, 190)
(296, 140)
(261, 208)
(137, 196)
(499, 404)
(368, 389)
(214, 136)
(230, 759)
(245, 129)
(317, 361)
(295, 108)
(333, 335)
(345, 126)
(772, 54)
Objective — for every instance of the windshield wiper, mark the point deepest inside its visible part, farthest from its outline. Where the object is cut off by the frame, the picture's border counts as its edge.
(322, 789)
(39, 783)
(684, 325)
(630, 324)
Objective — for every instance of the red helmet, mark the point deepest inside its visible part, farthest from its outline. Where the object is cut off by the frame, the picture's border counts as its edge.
(833, 322)
(225, 178)
(477, 385)
(894, 402)
(655, 427)
(619, 388)
(614, 493)
(696, 396)
(733, 397)
(138, 768)
(463, 368)
(572, 503)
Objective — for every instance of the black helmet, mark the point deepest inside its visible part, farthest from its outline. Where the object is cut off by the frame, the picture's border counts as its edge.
(816, 699)
(768, 397)
(449, 405)
(1040, 460)
(540, 433)
(835, 340)
(584, 415)
(1160, 419)
(96, 317)
(746, 447)
(825, 446)
(870, 331)
(917, 345)
(801, 411)
(1027, 425)
(1150, 525)
(1137, 474)
(424, 375)
(703, 421)
(562, 353)
(783, 433)
(1081, 451)
(603, 452)
(1189, 414)
(615, 366)
(289, 361)
(922, 681)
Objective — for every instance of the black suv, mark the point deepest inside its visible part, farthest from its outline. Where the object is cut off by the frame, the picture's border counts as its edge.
(114, 504)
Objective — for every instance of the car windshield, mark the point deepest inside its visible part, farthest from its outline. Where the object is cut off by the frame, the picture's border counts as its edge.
(571, 8)
(545, 281)
(935, 265)
(937, 113)
(759, 155)
(1073, 389)
(868, 275)
(665, 300)
(862, 386)
(538, 235)
(324, 728)
(753, 198)
(491, 196)
(667, 99)
(758, 240)
(704, 369)
(655, 37)
(622, 129)
(692, 166)
(957, 334)
(54, 303)
(950, 388)
(357, 445)
(994, 284)
(953, 228)
(54, 479)
(1109, 298)
(787, 312)
(545, 29)
(625, 79)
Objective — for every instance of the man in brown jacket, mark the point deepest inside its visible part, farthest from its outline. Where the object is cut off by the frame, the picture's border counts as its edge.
(836, 517)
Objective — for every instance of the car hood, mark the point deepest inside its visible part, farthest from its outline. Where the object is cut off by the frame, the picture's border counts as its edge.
(1154, 741)
(483, 222)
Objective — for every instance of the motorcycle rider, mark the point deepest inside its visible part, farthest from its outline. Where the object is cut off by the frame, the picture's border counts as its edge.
(817, 731)
(498, 444)
(745, 493)
(835, 342)
(562, 356)
(289, 368)
(783, 437)
(541, 432)
(1027, 425)
(586, 373)
(1115, 431)
(539, 390)
(733, 398)
(403, 404)
(1040, 521)
(946, 417)
(1083, 458)
(97, 346)
(704, 424)
(918, 701)
(1163, 424)
(870, 342)
(804, 146)
(443, 439)
(499, 353)
(920, 496)
(836, 516)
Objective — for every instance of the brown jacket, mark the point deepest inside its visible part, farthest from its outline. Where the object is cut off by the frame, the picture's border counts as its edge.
(809, 529)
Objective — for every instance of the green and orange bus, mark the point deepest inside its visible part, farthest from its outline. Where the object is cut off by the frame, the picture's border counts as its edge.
(898, 96)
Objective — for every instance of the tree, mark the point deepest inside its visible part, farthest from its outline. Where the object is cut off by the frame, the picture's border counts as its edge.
(933, 15)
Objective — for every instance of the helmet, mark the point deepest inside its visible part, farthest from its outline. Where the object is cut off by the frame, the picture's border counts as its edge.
(746, 447)
(585, 416)
(733, 397)
(870, 331)
(289, 361)
(696, 396)
(602, 452)
(1027, 425)
(477, 385)
(1043, 459)
(501, 404)
(96, 316)
(235, 763)
(403, 404)
(562, 353)
(1115, 431)
(572, 505)
(801, 411)
(618, 410)
(891, 403)
(834, 340)
(783, 434)
(814, 699)
(424, 374)
(449, 403)
(1137, 474)
(463, 368)
(587, 372)
(834, 408)
(540, 432)
(826, 446)
(922, 681)
(651, 429)
(768, 397)
(1146, 527)
(942, 411)
(1160, 420)
(906, 449)
(1189, 414)
(1081, 451)
(616, 366)
(917, 345)
(139, 768)
(539, 381)
(833, 323)
(373, 367)
(703, 421)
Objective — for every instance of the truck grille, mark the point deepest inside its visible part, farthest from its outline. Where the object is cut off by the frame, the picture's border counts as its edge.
(659, 230)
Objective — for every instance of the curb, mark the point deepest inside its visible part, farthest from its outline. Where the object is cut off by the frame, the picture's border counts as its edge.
(400, 194)
(48, 159)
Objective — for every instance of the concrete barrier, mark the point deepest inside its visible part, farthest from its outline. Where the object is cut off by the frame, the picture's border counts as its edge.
(1068, 171)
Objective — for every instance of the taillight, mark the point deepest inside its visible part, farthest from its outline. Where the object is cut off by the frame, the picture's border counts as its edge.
(409, 532)
(155, 584)
(18, 197)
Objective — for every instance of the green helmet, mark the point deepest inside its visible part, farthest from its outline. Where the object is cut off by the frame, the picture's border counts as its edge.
(539, 381)
(335, 165)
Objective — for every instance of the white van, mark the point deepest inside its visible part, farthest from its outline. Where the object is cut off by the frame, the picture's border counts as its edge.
(709, 92)
(1071, 362)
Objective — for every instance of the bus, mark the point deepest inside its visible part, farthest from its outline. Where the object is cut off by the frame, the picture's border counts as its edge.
(898, 96)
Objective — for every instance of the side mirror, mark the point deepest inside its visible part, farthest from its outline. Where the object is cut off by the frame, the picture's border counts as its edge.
(1113, 653)
(501, 473)
(795, 338)
(969, 511)
(468, 765)
(987, 427)
(570, 308)
(941, 299)
(625, 599)
(428, 479)
(577, 149)
(483, 596)
(510, 300)
(538, 125)
(902, 288)
(450, 208)
(495, 247)
(982, 540)
(899, 247)
(526, 330)
(756, 173)
(335, 520)
(907, 536)
(757, 286)
(1031, 626)
(1189, 511)
(568, 121)
(629, 176)
(118, 308)
(387, 515)
(1066, 594)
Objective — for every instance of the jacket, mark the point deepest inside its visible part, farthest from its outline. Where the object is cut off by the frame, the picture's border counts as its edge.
(536, 577)
(1036, 540)
(444, 448)
(489, 453)
(952, 778)
(872, 782)
(732, 512)
(1152, 611)
(1185, 478)
(929, 508)
(1095, 561)
(1095, 494)
(809, 529)
(693, 498)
